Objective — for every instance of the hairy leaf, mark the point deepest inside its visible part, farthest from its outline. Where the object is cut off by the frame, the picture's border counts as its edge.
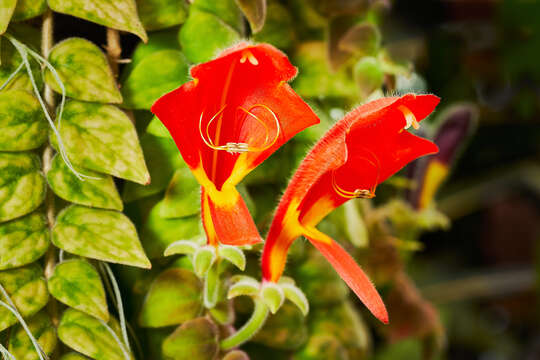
(155, 75)
(22, 185)
(100, 192)
(90, 337)
(174, 297)
(161, 14)
(41, 326)
(27, 289)
(108, 138)
(195, 340)
(117, 14)
(84, 70)
(77, 284)
(99, 234)
(23, 240)
(22, 122)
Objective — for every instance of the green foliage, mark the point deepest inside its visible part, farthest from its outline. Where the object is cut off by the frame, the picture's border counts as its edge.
(22, 123)
(278, 28)
(254, 11)
(195, 340)
(11, 60)
(27, 9)
(108, 137)
(77, 284)
(183, 195)
(286, 329)
(118, 14)
(6, 11)
(99, 234)
(160, 14)
(41, 326)
(98, 191)
(23, 240)
(174, 297)
(22, 185)
(27, 289)
(84, 71)
(90, 336)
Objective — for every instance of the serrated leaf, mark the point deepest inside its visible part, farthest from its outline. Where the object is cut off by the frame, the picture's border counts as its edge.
(84, 71)
(27, 289)
(100, 192)
(22, 122)
(154, 76)
(22, 185)
(195, 340)
(41, 326)
(161, 14)
(77, 284)
(89, 336)
(118, 14)
(183, 196)
(278, 28)
(6, 11)
(174, 297)
(158, 232)
(23, 240)
(204, 34)
(99, 234)
(108, 138)
(27, 9)
(234, 255)
(162, 157)
(254, 11)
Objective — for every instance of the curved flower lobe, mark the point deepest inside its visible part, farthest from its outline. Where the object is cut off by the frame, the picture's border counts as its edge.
(362, 150)
(236, 112)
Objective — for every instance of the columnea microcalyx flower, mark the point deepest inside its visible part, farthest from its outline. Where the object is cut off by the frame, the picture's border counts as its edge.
(235, 113)
(362, 150)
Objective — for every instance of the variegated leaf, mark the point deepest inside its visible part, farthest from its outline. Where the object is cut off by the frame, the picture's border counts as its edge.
(10, 60)
(99, 234)
(161, 14)
(77, 284)
(23, 240)
(84, 71)
(41, 326)
(108, 138)
(22, 185)
(6, 11)
(27, 289)
(27, 9)
(100, 192)
(117, 14)
(73, 356)
(22, 122)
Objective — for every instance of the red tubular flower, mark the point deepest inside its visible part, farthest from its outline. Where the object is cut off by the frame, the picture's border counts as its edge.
(236, 112)
(362, 150)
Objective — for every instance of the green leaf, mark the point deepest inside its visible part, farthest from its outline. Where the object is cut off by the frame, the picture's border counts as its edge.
(77, 284)
(254, 11)
(162, 157)
(108, 138)
(204, 34)
(157, 128)
(183, 196)
(154, 76)
(362, 39)
(73, 356)
(226, 10)
(90, 336)
(195, 340)
(203, 258)
(99, 234)
(6, 11)
(174, 297)
(234, 255)
(117, 14)
(100, 192)
(10, 61)
(22, 122)
(28, 291)
(278, 29)
(286, 330)
(23, 241)
(368, 75)
(27, 9)
(158, 232)
(84, 70)
(22, 185)
(161, 14)
(159, 40)
(236, 355)
(272, 295)
(41, 326)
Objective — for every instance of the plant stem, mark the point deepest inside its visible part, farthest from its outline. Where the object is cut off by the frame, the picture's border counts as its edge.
(250, 328)
(211, 286)
(114, 49)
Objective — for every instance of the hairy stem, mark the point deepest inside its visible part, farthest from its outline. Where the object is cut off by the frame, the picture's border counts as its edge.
(250, 328)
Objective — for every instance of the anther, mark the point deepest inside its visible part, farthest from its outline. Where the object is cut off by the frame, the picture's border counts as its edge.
(248, 55)
(410, 119)
(232, 147)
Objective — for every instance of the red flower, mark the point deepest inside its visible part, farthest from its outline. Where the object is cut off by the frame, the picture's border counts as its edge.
(362, 150)
(236, 112)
